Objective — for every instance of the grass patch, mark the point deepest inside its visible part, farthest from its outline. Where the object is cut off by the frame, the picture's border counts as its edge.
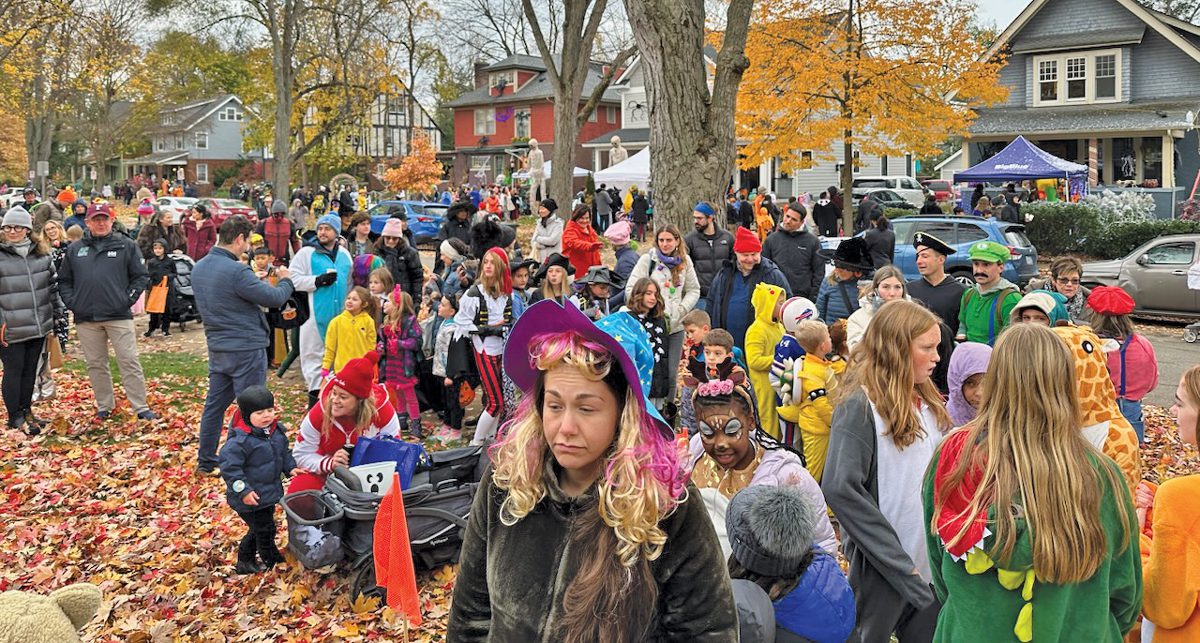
(156, 366)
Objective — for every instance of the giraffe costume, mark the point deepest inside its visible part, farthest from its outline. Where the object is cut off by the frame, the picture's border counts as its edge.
(1102, 419)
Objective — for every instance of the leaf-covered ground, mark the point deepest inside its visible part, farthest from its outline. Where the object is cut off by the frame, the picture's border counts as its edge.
(118, 504)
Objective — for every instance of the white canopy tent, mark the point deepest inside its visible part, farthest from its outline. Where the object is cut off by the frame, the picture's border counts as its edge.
(524, 174)
(634, 170)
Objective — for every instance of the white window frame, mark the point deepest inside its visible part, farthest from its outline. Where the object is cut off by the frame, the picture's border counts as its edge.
(160, 144)
(201, 139)
(1075, 68)
(526, 130)
(179, 141)
(1116, 56)
(489, 121)
(202, 173)
(230, 113)
(806, 161)
(510, 77)
(610, 114)
(594, 117)
(1061, 79)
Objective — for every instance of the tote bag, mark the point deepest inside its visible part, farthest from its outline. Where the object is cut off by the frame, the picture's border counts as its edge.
(156, 301)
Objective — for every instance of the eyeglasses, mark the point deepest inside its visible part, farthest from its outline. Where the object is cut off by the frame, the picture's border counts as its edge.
(1067, 282)
(12, 228)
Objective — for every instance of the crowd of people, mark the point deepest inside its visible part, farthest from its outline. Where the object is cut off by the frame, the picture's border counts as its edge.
(685, 435)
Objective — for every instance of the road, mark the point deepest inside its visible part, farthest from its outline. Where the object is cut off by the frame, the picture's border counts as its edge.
(1174, 357)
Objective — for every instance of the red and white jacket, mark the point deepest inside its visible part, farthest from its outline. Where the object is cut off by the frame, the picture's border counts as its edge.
(314, 451)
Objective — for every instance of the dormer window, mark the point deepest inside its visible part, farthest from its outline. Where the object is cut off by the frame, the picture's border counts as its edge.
(1077, 77)
(503, 79)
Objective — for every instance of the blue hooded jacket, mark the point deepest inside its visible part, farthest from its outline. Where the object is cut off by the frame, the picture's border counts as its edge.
(254, 459)
(821, 607)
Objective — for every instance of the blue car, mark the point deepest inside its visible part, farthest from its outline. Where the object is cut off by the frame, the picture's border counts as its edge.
(960, 233)
(424, 218)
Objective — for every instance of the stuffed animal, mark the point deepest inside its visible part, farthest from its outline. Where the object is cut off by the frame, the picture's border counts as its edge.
(57, 618)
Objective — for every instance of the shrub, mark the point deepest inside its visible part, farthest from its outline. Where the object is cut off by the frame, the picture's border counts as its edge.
(895, 213)
(1058, 228)
(1123, 207)
(1118, 240)
(1190, 210)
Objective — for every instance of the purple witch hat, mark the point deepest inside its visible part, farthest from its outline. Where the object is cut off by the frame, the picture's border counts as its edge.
(620, 333)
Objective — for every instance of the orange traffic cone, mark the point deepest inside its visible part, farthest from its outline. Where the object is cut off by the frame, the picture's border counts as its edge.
(393, 556)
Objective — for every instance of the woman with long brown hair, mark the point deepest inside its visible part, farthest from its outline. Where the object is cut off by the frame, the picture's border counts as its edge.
(1031, 531)
(585, 528)
(887, 421)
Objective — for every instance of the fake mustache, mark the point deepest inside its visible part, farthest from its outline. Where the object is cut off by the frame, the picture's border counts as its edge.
(981, 275)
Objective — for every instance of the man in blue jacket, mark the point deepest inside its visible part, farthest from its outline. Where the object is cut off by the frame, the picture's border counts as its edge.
(729, 295)
(101, 277)
(231, 300)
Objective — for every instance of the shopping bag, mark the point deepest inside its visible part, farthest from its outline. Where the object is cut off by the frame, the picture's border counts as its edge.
(385, 448)
(139, 306)
(156, 301)
(55, 351)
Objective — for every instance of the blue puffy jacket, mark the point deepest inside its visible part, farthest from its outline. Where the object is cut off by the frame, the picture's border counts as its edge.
(253, 459)
(821, 607)
(833, 298)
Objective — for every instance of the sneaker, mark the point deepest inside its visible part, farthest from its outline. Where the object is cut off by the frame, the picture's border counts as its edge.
(103, 415)
(147, 415)
(244, 567)
(214, 472)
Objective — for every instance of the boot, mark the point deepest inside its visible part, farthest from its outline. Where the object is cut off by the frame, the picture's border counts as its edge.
(246, 564)
(148, 333)
(167, 331)
(313, 398)
(414, 428)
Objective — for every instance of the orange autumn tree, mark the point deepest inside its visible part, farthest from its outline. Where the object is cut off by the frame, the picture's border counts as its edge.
(419, 172)
(875, 76)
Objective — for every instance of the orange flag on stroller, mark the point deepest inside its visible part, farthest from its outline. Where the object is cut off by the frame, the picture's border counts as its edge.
(393, 556)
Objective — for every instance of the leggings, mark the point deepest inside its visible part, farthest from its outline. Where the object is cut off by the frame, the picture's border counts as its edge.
(489, 376)
(260, 536)
(20, 373)
(405, 390)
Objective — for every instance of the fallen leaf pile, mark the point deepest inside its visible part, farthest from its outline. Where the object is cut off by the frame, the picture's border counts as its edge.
(1164, 455)
(118, 504)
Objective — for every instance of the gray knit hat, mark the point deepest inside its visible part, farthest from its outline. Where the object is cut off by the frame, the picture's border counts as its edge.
(17, 215)
(278, 206)
(771, 529)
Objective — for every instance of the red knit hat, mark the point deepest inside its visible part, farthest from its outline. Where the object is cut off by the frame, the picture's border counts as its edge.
(746, 241)
(1110, 300)
(358, 375)
(505, 275)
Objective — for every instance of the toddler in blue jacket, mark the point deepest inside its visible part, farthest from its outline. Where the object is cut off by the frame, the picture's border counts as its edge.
(254, 460)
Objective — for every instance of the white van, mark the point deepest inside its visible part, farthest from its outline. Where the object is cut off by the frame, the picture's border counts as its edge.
(905, 186)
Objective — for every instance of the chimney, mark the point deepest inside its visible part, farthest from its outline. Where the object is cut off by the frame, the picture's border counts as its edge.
(481, 75)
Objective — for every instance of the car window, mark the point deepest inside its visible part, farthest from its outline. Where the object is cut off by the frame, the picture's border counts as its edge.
(943, 230)
(903, 231)
(377, 210)
(938, 185)
(396, 208)
(436, 210)
(911, 184)
(869, 183)
(1016, 237)
(970, 233)
(415, 208)
(1172, 253)
(888, 195)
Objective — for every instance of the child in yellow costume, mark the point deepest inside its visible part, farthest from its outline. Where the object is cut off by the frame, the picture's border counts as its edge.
(762, 336)
(805, 393)
(1103, 424)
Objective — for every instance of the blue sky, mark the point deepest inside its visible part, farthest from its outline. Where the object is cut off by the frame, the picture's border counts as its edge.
(1000, 12)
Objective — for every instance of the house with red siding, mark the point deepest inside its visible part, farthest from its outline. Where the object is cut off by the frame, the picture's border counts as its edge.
(513, 102)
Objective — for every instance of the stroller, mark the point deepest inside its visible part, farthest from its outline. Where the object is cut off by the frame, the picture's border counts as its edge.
(183, 304)
(337, 524)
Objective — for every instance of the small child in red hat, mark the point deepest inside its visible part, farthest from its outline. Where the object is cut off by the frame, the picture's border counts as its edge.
(1132, 364)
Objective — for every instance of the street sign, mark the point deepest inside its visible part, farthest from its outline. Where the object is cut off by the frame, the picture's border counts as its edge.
(32, 174)
(43, 168)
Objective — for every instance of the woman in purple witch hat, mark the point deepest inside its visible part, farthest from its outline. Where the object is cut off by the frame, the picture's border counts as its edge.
(588, 502)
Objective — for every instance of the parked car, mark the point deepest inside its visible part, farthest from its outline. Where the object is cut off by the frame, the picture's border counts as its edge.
(177, 205)
(1154, 274)
(222, 209)
(942, 189)
(424, 217)
(960, 233)
(906, 186)
(882, 196)
(12, 196)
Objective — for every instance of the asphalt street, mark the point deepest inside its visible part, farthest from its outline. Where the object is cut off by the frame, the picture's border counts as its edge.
(1174, 357)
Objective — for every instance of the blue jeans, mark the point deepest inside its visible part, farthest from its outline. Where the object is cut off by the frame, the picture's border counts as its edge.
(229, 373)
(1133, 412)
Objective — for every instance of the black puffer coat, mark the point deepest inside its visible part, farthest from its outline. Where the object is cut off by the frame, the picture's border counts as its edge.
(404, 262)
(28, 294)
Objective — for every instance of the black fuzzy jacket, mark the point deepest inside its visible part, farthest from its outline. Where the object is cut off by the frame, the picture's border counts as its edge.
(511, 583)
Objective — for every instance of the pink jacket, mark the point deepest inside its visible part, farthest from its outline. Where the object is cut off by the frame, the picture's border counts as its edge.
(1141, 367)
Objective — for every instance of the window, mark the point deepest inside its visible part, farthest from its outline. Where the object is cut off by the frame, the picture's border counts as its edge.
(485, 121)
(1106, 77)
(1048, 80)
(229, 114)
(179, 141)
(522, 122)
(1088, 77)
(507, 79)
(159, 144)
(610, 114)
(592, 118)
(202, 140)
(970, 233)
(1076, 78)
(1171, 253)
(943, 230)
(856, 161)
(806, 160)
(202, 173)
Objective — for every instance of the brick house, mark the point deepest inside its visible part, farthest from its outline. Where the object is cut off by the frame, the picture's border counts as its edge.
(511, 103)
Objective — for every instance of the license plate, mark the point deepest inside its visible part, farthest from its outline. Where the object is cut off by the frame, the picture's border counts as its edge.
(1028, 260)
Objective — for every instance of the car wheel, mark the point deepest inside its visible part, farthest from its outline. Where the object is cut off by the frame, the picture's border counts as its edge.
(963, 277)
(1189, 336)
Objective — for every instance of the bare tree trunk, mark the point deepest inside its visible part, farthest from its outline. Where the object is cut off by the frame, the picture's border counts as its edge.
(281, 26)
(692, 144)
(846, 180)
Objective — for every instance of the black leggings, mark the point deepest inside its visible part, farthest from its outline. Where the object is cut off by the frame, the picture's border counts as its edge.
(260, 537)
(20, 361)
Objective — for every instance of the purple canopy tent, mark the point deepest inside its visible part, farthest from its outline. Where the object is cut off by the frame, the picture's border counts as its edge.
(1022, 160)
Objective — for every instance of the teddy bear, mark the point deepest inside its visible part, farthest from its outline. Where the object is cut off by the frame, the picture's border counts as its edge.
(57, 618)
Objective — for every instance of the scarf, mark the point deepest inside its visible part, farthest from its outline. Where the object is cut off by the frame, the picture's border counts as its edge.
(669, 261)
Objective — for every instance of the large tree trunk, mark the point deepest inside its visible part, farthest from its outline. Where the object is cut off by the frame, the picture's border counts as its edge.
(846, 180)
(692, 144)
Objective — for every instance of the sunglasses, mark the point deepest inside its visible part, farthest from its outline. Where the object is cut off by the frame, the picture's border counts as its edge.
(1070, 282)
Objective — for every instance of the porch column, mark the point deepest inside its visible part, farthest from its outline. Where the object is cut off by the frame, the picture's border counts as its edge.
(1110, 163)
(596, 160)
(1093, 171)
(1168, 160)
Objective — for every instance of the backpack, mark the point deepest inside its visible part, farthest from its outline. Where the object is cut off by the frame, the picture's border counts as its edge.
(292, 314)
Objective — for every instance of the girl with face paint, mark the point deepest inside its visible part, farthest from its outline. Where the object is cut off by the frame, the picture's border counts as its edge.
(730, 451)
